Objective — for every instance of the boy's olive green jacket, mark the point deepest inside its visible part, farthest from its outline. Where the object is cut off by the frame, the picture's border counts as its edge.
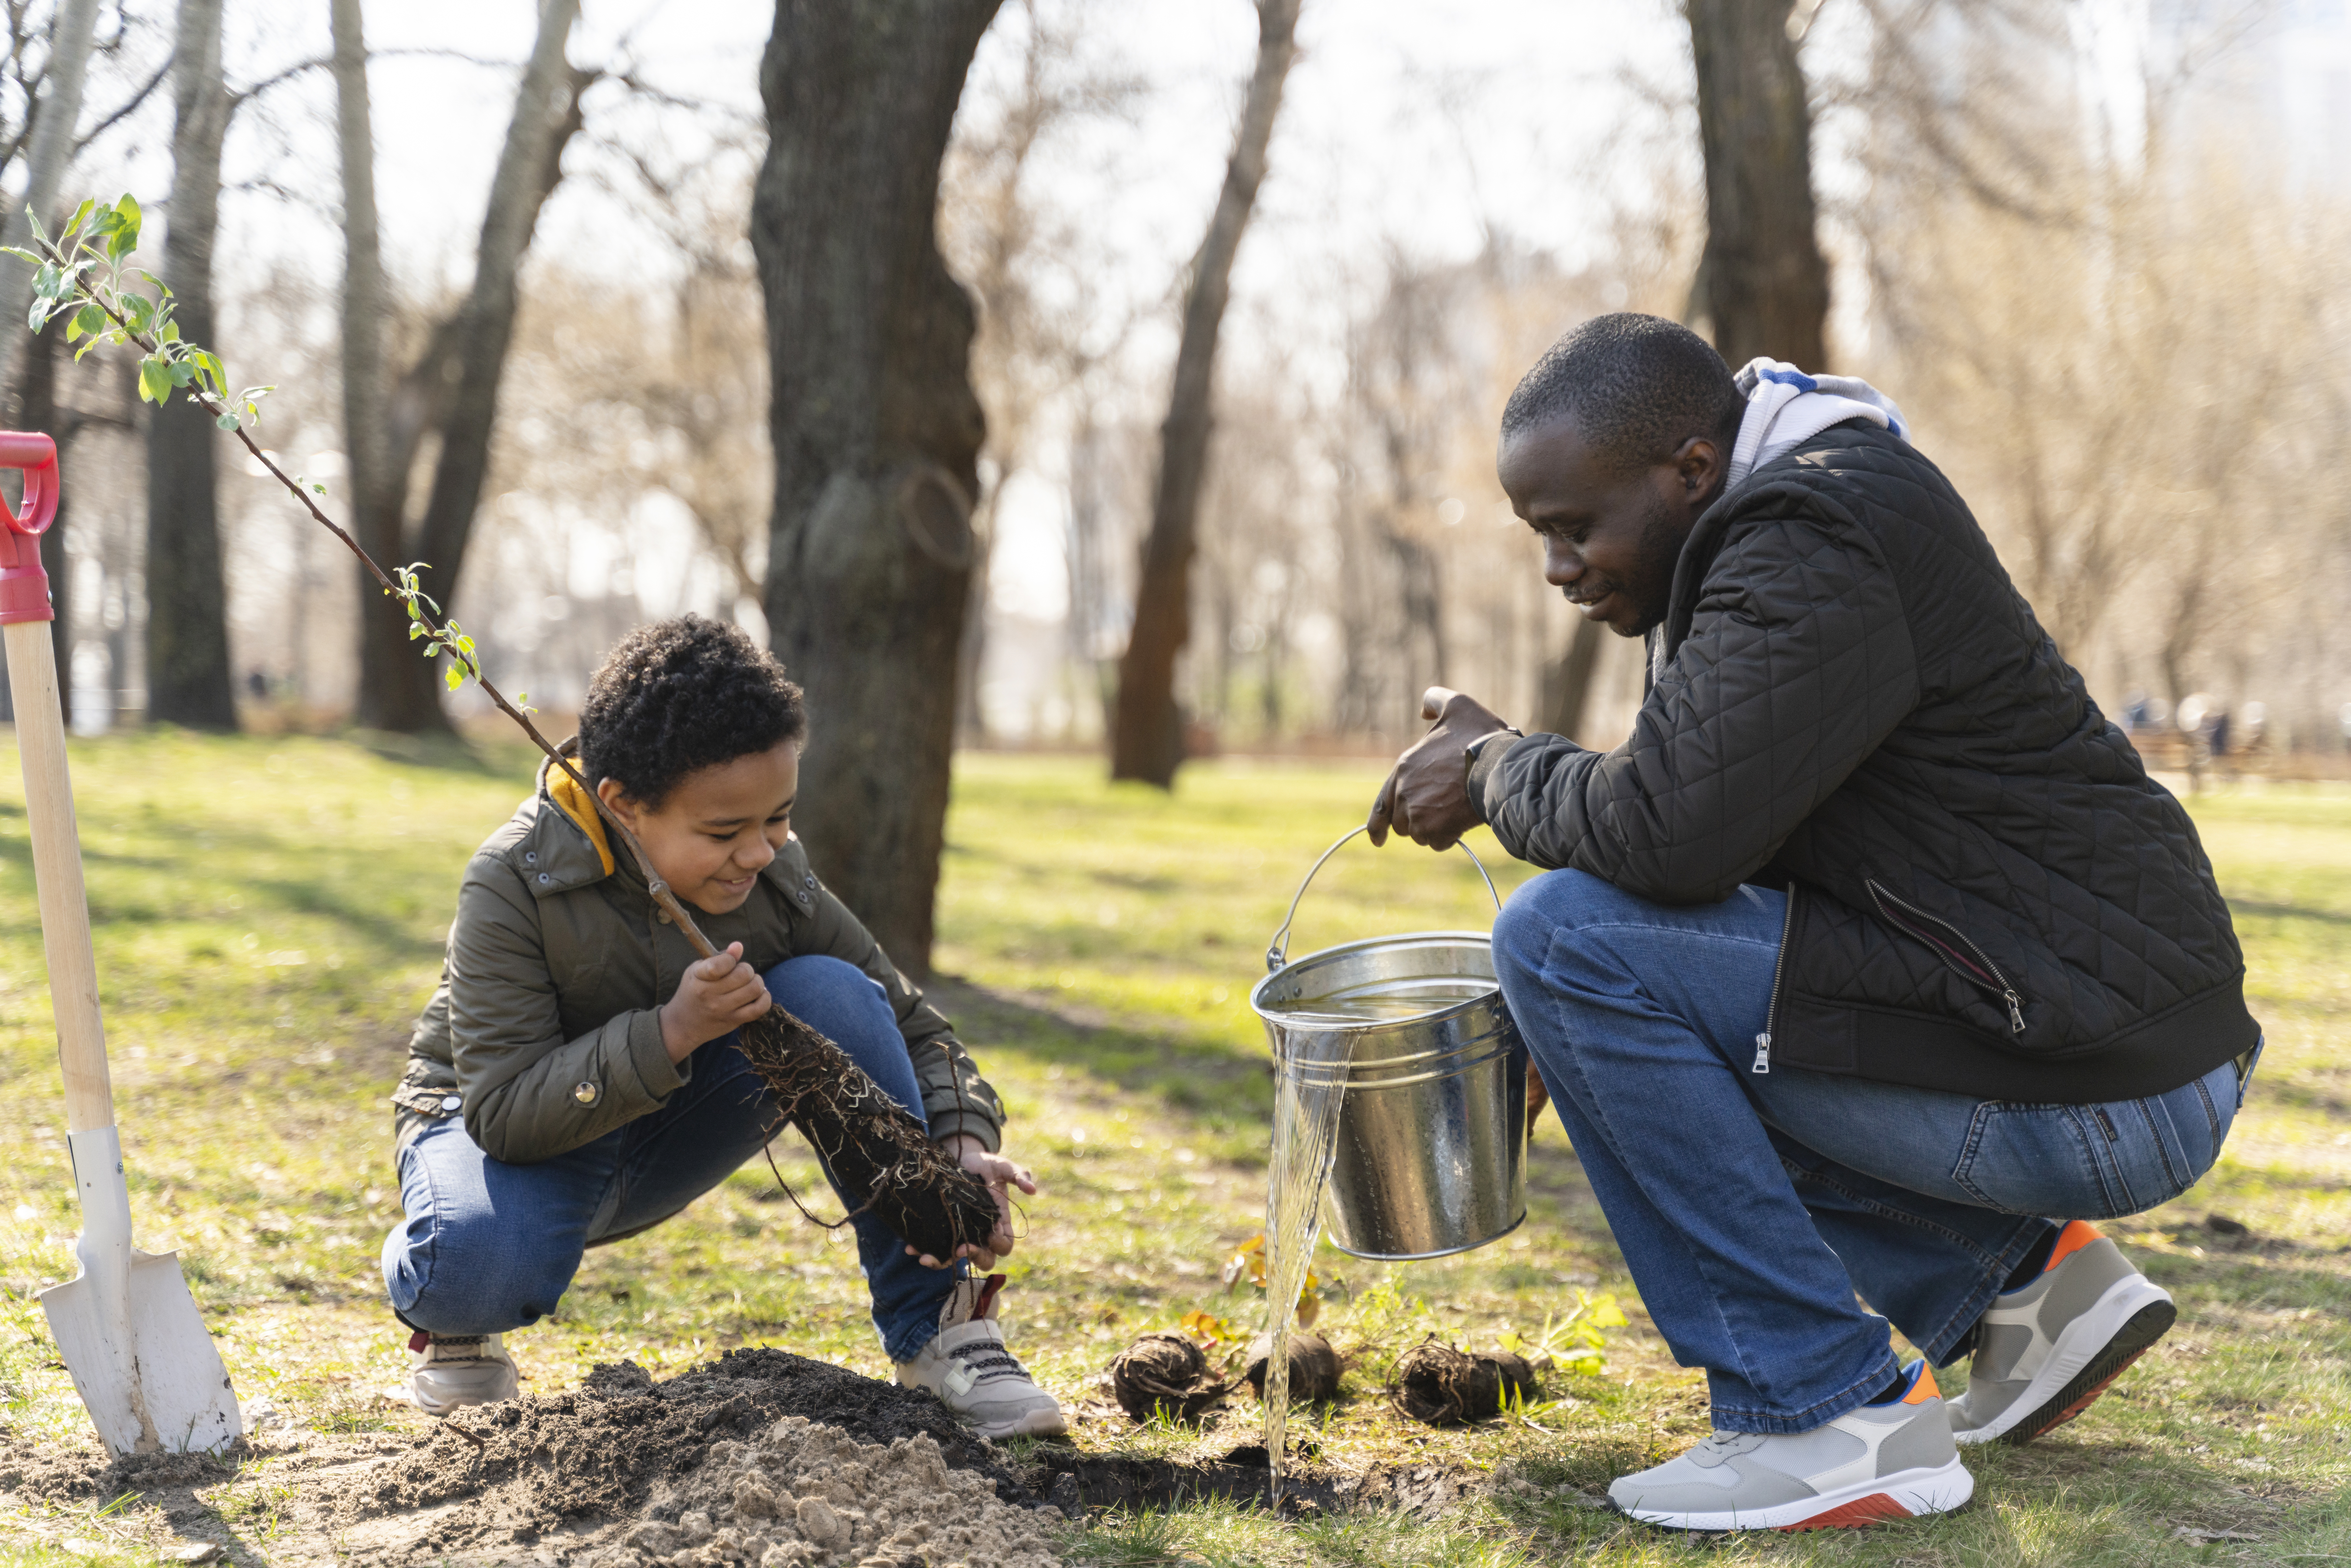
(545, 1032)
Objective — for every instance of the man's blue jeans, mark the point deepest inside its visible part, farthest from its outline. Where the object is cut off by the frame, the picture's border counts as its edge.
(1751, 1207)
(486, 1246)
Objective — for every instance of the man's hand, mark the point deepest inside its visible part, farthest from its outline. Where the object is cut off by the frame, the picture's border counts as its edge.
(1426, 798)
(719, 993)
(1001, 1176)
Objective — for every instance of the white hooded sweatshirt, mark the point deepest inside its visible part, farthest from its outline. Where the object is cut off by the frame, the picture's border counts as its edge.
(1785, 406)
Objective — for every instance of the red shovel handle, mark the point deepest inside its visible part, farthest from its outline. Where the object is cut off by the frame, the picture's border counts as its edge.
(24, 586)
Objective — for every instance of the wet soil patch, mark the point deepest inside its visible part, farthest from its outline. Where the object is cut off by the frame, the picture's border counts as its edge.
(1081, 1484)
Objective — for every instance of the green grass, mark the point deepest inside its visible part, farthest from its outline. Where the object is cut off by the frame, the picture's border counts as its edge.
(269, 914)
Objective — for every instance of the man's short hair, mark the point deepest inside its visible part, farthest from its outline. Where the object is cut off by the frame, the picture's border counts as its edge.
(676, 697)
(1637, 386)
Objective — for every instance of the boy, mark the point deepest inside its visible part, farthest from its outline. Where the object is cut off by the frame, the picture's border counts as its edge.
(577, 1077)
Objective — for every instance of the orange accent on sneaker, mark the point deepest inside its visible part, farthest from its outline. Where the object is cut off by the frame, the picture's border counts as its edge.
(987, 1297)
(1924, 1388)
(2077, 1234)
(1875, 1508)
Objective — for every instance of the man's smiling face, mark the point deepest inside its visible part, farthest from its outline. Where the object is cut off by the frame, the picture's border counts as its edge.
(1610, 538)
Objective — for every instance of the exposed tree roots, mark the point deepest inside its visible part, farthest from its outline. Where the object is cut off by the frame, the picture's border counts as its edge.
(1314, 1368)
(866, 1140)
(1438, 1385)
(1163, 1371)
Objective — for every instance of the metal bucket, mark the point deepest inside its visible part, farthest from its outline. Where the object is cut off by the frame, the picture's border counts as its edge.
(1432, 1132)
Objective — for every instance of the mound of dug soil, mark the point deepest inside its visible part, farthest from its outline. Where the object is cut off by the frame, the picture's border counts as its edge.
(648, 1473)
(760, 1459)
(801, 1494)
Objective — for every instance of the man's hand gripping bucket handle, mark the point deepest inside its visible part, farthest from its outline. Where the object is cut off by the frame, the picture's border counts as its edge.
(1278, 953)
(24, 586)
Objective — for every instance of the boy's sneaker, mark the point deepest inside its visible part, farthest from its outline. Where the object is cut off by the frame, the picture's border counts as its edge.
(455, 1370)
(2046, 1350)
(974, 1376)
(1884, 1461)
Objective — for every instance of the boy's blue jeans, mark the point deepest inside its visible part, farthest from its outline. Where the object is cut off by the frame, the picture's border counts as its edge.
(486, 1246)
(1751, 1207)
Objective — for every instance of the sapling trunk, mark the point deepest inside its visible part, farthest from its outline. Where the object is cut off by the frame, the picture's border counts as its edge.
(871, 1145)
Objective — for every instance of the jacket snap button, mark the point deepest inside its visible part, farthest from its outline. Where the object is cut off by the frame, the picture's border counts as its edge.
(451, 1102)
(531, 857)
(808, 881)
(585, 1093)
(804, 900)
(542, 877)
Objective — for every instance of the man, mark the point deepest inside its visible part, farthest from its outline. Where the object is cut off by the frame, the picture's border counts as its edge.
(1872, 962)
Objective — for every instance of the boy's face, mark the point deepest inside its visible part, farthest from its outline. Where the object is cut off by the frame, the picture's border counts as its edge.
(719, 828)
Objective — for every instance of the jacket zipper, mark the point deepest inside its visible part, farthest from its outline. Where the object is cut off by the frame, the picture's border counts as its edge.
(1778, 968)
(1966, 959)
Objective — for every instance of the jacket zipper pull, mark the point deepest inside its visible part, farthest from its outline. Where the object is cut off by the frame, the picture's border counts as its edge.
(1763, 1053)
(2015, 1012)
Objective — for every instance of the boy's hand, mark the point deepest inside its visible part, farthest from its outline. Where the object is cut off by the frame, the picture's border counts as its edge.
(1001, 1174)
(717, 994)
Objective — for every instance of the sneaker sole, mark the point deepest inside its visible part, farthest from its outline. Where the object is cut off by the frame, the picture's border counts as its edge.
(2147, 1326)
(1036, 1424)
(2087, 1357)
(1908, 1494)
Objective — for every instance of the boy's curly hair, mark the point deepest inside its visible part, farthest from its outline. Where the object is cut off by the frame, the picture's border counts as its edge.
(676, 697)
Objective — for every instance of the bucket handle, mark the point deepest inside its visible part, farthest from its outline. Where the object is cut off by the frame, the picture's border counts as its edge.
(1278, 953)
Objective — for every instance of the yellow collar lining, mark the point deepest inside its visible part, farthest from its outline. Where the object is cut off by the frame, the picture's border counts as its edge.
(581, 810)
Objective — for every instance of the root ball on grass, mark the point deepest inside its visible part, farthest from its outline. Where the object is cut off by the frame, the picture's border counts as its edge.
(1163, 1371)
(868, 1141)
(1314, 1368)
(1439, 1385)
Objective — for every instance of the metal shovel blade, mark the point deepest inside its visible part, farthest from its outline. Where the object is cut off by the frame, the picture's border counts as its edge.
(129, 1331)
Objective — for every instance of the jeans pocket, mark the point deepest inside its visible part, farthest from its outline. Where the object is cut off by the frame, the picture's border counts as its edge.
(2039, 1159)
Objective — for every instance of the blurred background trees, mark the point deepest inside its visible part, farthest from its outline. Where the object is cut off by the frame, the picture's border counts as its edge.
(606, 320)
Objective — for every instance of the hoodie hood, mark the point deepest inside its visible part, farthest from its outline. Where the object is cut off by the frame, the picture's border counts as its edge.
(1785, 407)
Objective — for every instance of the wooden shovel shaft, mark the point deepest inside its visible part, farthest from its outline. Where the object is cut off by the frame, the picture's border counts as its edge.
(56, 875)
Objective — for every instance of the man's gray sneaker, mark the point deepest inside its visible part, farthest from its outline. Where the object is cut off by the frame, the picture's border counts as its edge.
(966, 1365)
(2046, 1350)
(455, 1370)
(1879, 1462)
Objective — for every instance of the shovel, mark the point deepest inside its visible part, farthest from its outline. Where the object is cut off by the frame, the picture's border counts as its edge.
(141, 1357)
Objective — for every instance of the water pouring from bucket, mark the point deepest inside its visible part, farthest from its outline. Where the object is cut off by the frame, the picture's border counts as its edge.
(1400, 1088)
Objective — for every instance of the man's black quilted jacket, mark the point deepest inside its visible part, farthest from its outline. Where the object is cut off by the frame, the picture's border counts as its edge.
(1987, 893)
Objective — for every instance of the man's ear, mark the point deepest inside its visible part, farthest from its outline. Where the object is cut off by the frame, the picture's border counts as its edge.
(1699, 464)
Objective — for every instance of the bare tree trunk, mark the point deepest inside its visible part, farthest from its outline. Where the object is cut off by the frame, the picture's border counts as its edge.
(876, 433)
(53, 116)
(1567, 683)
(1765, 284)
(378, 490)
(399, 691)
(189, 680)
(1147, 742)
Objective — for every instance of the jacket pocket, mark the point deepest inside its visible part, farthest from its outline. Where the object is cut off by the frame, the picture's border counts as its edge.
(1949, 943)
